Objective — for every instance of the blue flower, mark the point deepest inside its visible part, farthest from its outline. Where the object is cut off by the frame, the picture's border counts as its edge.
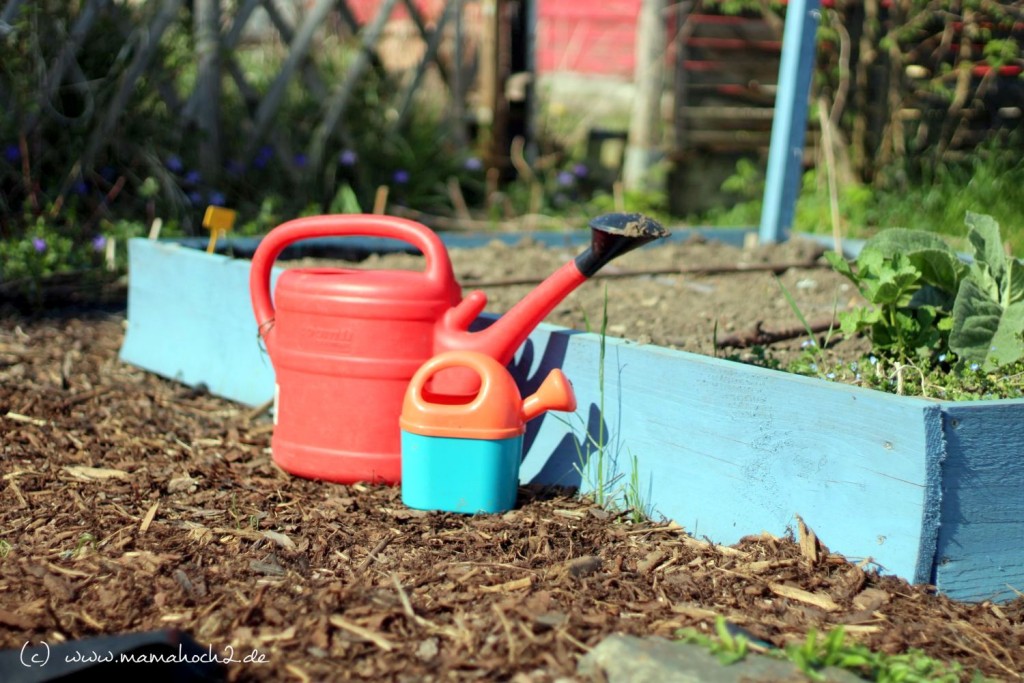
(300, 160)
(565, 179)
(807, 342)
(174, 164)
(235, 167)
(854, 365)
(348, 157)
(80, 187)
(263, 157)
(942, 358)
(580, 170)
(192, 178)
(400, 177)
(39, 244)
(12, 153)
(814, 367)
(217, 198)
(473, 164)
(872, 360)
(99, 243)
(195, 198)
(974, 367)
(831, 375)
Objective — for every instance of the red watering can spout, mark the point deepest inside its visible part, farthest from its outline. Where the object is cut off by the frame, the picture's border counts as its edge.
(611, 235)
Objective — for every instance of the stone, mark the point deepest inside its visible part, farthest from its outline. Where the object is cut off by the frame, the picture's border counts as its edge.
(629, 659)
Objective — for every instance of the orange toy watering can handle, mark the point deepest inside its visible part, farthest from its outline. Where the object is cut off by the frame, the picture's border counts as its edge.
(495, 412)
(438, 267)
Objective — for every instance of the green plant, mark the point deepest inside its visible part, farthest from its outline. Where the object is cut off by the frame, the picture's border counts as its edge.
(924, 301)
(818, 652)
(905, 319)
(591, 464)
(85, 541)
(728, 648)
(988, 314)
(593, 459)
(5, 549)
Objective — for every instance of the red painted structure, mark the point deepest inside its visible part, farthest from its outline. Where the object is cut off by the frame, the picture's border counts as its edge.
(587, 37)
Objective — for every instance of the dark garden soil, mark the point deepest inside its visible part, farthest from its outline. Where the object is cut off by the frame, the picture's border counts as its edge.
(132, 503)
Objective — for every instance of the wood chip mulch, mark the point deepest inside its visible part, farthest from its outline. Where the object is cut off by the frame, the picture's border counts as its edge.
(132, 503)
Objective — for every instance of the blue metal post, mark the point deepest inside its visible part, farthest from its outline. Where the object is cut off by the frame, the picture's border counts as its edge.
(782, 185)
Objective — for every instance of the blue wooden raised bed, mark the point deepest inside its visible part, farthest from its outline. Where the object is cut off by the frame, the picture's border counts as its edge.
(930, 491)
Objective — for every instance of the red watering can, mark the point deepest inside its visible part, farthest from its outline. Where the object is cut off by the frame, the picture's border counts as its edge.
(345, 342)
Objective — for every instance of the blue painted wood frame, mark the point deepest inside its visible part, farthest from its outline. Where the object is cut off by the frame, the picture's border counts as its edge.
(930, 491)
(789, 124)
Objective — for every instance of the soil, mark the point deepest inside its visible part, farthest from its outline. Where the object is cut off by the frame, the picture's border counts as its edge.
(658, 295)
(132, 503)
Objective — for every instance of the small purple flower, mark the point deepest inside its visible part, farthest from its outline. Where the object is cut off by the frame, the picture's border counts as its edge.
(263, 157)
(565, 179)
(192, 178)
(348, 157)
(195, 198)
(39, 244)
(473, 164)
(12, 153)
(580, 170)
(300, 160)
(400, 177)
(174, 164)
(217, 198)
(99, 243)
(80, 187)
(235, 167)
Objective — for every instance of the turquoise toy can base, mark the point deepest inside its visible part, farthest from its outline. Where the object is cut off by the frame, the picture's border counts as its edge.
(460, 475)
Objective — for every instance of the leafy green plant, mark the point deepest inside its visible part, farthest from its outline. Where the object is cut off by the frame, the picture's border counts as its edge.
(988, 314)
(906, 319)
(818, 652)
(728, 648)
(924, 301)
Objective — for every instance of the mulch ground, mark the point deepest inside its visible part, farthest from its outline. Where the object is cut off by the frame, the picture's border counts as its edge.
(132, 503)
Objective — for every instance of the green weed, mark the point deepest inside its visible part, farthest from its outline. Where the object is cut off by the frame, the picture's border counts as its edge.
(593, 459)
(818, 652)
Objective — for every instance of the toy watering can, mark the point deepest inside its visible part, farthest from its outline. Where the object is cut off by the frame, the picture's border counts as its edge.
(345, 342)
(462, 454)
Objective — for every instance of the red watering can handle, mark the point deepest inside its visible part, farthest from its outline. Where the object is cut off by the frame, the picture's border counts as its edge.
(438, 267)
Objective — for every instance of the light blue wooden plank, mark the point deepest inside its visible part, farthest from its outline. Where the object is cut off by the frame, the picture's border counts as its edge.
(789, 124)
(980, 552)
(189, 319)
(729, 450)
